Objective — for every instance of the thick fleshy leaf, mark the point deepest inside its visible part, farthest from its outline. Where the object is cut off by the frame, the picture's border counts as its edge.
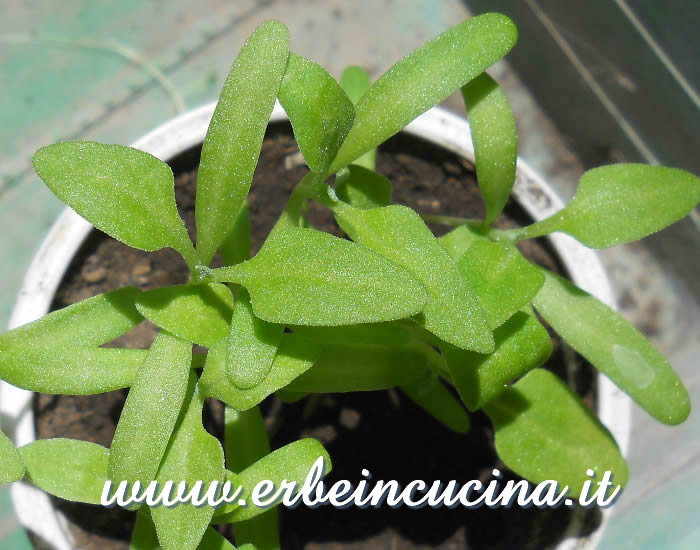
(495, 139)
(236, 248)
(362, 188)
(11, 465)
(192, 455)
(355, 81)
(458, 241)
(320, 112)
(615, 347)
(424, 78)
(306, 277)
(59, 353)
(621, 203)
(452, 311)
(67, 468)
(503, 280)
(431, 395)
(122, 191)
(144, 537)
(151, 411)
(197, 313)
(252, 345)
(522, 344)
(294, 356)
(545, 432)
(291, 462)
(232, 146)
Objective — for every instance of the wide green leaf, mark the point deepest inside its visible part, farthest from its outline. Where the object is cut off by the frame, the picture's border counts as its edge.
(294, 356)
(320, 112)
(67, 468)
(252, 345)
(621, 203)
(495, 139)
(355, 81)
(59, 353)
(11, 464)
(452, 311)
(362, 188)
(197, 313)
(307, 277)
(615, 347)
(503, 280)
(424, 78)
(124, 192)
(522, 344)
(144, 537)
(192, 455)
(232, 145)
(545, 432)
(459, 240)
(151, 411)
(430, 394)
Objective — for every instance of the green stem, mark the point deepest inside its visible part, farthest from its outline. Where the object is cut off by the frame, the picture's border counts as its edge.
(451, 221)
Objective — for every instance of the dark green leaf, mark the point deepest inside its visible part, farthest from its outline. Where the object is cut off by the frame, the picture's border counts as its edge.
(212, 540)
(11, 465)
(362, 188)
(432, 396)
(144, 537)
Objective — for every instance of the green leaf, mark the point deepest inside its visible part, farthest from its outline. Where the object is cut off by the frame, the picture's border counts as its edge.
(232, 146)
(214, 541)
(252, 345)
(67, 468)
(144, 537)
(355, 81)
(621, 203)
(392, 334)
(197, 313)
(295, 356)
(503, 280)
(151, 411)
(236, 248)
(522, 344)
(362, 188)
(11, 465)
(124, 192)
(431, 395)
(545, 432)
(452, 311)
(320, 112)
(306, 277)
(58, 353)
(424, 78)
(495, 139)
(192, 455)
(615, 347)
(458, 241)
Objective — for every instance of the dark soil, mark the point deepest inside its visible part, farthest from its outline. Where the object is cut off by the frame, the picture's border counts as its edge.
(381, 431)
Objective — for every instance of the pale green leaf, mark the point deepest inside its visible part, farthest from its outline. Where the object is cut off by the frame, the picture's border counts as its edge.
(362, 188)
(232, 145)
(307, 277)
(545, 432)
(424, 78)
(495, 139)
(124, 192)
(615, 347)
(236, 247)
(11, 465)
(355, 81)
(458, 241)
(430, 394)
(393, 334)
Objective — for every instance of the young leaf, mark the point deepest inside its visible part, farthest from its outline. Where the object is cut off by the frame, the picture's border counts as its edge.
(320, 112)
(59, 353)
(452, 311)
(67, 468)
(294, 356)
(362, 188)
(151, 411)
(432, 396)
(306, 277)
(124, 192)
(232, 146)
(522, 344)
(236, 248)
(620, 203)
(11, 465)
(192, 455)
(615, 347)
(424, 78)
(495, 141)
(252, 345)
(355, 81)
(458, 241)
(214, 541)
(144, 537)
(541, 412)
(197, 313)
(503, 280)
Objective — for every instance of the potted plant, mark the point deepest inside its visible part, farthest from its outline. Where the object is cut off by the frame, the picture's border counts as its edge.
(425, 312)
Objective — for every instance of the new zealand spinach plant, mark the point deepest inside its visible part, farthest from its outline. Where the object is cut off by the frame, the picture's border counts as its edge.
(392, 306)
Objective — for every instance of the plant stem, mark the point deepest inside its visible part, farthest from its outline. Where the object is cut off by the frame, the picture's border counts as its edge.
(451, 221)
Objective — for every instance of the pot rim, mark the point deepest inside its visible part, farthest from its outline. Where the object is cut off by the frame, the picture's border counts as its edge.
(65, 237)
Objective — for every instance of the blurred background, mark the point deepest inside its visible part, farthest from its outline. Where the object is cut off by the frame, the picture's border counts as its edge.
(590, 83)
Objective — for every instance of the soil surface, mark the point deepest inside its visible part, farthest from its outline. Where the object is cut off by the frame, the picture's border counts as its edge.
(381, 431)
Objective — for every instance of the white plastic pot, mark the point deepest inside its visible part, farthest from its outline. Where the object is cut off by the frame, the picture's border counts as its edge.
(33, 506)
